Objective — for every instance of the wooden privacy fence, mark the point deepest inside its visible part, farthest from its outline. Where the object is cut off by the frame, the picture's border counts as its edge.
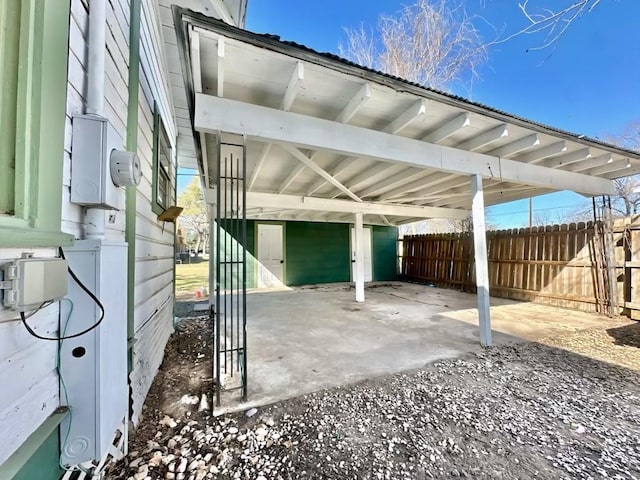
(574, 266)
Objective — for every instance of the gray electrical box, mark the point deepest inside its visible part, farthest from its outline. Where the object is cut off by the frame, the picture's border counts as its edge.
(94, 138)
(34, 281)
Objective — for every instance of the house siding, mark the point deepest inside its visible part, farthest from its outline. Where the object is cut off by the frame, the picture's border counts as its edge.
(30, 391)
(28, 370)
(154, 251)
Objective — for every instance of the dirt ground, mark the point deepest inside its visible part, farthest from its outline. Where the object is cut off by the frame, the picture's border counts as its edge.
(526, 410)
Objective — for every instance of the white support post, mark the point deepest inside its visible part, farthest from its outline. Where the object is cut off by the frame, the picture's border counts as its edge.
(482, 266)
(359, 248)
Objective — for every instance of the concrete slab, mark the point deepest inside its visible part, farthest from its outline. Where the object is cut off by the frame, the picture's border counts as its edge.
(310, 338)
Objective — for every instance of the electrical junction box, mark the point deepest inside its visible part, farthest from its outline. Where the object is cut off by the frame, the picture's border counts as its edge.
(93, 367)
(29, 282)
(99, 164)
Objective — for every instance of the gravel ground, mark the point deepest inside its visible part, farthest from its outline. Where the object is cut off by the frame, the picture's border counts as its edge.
(518, 411)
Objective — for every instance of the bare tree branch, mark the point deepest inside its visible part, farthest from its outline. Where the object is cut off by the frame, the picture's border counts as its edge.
(552, 23)
(432, 42)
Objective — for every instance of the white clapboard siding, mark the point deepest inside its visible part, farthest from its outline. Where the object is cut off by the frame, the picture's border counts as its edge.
(29, 392)
(154, 241)
(148, 354)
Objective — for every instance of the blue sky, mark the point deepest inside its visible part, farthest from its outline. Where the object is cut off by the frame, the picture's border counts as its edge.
(589, 84)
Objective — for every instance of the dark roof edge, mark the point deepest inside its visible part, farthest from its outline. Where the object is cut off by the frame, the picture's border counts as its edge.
(342, 65)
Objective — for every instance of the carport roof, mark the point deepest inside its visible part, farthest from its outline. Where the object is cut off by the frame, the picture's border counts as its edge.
(327, 138)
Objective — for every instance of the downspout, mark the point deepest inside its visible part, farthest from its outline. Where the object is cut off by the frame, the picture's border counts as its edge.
(131, 191)
(94, 225)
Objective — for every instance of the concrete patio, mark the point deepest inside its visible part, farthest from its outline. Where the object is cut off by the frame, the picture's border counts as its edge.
(310, 338)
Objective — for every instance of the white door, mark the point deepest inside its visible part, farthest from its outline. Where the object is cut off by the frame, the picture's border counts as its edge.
(270, 255)
(366, 240)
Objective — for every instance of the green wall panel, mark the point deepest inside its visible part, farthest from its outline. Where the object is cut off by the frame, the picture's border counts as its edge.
(384, 240)
(317, 253)
(43, 465)
(320, 253)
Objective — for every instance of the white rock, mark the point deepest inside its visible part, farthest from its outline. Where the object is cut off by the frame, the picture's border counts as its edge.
(232, 430)
(189, 399)
(182, 466)
(204, 403)
(168, 422)
(251, 412)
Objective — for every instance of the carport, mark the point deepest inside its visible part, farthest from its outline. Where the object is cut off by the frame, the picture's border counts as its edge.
(286, 134)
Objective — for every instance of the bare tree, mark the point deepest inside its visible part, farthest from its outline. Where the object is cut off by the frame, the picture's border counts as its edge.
(551, 23)
(432, 42)
(626, 200)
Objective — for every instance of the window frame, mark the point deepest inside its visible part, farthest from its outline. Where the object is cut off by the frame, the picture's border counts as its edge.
(40, 112)
(160, 173)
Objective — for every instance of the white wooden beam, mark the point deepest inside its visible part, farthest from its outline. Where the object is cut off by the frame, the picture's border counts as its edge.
(258, 167)
(320, 171)
(358, 233)
(416, 185)
(536, 156)
(220, 60)
(568, 159)
(290, 178)
(222, 10)
(485, 138)
(337, 170)
(516, 146)
(367, 175)
(269, 125)
(408, 116)
(591, 163)
(196, 65)
(610, 167)
(292, 88)
(294, 202)
(406, 175)
(481, 264)
(358, 100)
(452, 126)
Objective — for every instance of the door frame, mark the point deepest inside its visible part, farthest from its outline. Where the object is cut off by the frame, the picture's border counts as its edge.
(351, 229)
(257, 252)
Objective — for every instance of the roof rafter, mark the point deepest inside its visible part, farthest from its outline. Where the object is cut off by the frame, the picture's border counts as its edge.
(516, 146)
(356, 102)
(416, 185)
(406, 117)
(406, 175)
(449, 128)
(569, 158)
(485, 138)
(293, 87)
(536, 156)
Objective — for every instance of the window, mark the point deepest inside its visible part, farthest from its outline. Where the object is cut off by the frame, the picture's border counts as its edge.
(162, 168)
(34, 47)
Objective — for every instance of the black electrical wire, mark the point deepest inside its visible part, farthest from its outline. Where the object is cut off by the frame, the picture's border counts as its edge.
(23, 317)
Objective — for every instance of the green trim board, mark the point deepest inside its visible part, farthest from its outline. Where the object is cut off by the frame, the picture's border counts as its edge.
(132, 191)
(39, 118)
(38, 457)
